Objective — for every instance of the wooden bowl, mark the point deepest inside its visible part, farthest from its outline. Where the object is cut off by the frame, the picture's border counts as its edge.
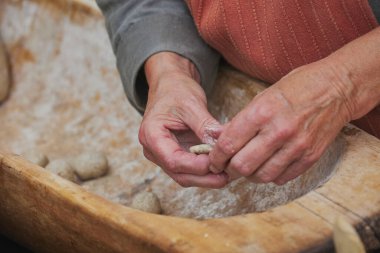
(66, 97)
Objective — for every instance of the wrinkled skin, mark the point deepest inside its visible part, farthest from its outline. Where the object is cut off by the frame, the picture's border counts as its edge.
(276, 137)
(176, 118)
(280, 134)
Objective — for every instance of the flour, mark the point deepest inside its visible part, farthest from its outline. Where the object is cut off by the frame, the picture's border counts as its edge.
(68, 99)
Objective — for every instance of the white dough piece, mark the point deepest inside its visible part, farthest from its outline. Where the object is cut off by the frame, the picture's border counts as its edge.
(147, 202)
(36, 157)
(201, 149)
(63, 169)
(4, 73)
(90, 165)
(346, 239)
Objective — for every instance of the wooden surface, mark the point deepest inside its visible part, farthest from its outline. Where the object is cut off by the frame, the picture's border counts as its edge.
(67, 98)
(49, 214)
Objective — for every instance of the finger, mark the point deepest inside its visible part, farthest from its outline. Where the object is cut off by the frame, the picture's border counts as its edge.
(207, 181)
(171, 157)
(254, 155)
(235, 135)
(232, 175)
(203, 124)
(276, 165)
(293, 171)
(151, 158)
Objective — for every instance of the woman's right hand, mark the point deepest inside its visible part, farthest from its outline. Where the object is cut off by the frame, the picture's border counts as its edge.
(176, 117)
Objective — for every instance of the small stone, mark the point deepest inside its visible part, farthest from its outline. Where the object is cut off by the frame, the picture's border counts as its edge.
(147, 202)
(90, 165)
(63, 169)
(36, 157)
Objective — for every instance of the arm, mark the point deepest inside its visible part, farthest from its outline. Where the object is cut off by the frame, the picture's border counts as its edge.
(160, 38)
(140, 28)
(176, 118)
(285, 129)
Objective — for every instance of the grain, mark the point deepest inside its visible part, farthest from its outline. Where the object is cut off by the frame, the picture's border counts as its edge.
(201, 149)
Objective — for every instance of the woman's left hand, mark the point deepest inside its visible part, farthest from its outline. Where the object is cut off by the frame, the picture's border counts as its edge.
(286, 128)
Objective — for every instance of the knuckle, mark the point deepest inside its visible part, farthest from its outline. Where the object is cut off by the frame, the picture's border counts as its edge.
(265, 177)
(263, 113)
(226, 145)
(182, 181)
(239, 166)
(235, 164)
(299, 148)
(244, 170)
(311, 158)
(285, 131)
(303, 145)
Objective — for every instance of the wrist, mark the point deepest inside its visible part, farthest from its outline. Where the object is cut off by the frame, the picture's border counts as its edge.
(323, 85)
(340, 83)
(168, 64)
(359, 92)
(356, 65)
(173, 80)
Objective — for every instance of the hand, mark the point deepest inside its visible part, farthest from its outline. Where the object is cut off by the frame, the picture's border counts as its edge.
(286, 128)
(176, 118)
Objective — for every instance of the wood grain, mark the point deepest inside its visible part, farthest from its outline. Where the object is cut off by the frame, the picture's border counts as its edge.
(48, 213)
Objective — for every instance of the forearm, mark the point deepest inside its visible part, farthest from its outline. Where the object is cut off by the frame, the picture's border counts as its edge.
(357, 73)
(139, 29)
(171, 75)
(167, 63)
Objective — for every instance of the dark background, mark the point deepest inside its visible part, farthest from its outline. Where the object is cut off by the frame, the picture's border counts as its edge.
(9, 246)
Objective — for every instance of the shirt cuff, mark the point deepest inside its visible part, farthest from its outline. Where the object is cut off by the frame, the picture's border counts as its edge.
(157, 34)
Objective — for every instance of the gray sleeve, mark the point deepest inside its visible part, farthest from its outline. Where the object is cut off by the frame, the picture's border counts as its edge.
(141, 28)
(375, 5)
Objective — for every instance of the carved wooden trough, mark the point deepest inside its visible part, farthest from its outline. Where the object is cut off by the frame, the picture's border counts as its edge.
(66, 97)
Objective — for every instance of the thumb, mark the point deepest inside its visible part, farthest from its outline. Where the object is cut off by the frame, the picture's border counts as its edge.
(203, 124)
